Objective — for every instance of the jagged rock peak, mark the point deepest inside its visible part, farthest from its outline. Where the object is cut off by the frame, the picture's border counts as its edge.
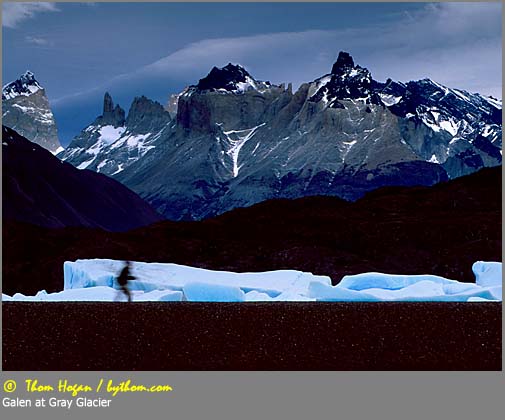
(144, 101)
(346, 81)
(231, 78)
(25, 85)
(108, 103)
(344, 63)
(146, 112)
(112, 115)
(224, 78)
(28, 78)
(142, 105)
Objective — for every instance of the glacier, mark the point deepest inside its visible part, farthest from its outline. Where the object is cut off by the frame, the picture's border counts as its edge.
(94, 280)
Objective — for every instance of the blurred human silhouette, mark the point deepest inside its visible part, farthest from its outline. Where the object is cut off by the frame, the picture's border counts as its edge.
(123, 279)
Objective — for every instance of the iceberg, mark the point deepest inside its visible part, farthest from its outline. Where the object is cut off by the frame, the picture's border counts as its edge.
(95, 280)
(165, 276)
(487, 274)
(403, 288)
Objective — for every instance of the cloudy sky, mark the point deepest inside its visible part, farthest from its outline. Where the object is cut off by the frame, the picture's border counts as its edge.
(78, 51)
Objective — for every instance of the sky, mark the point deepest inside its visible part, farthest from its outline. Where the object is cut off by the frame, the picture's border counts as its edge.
(78, 51)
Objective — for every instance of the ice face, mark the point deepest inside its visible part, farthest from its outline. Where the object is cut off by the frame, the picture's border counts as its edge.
(323, 292)
(487, 273)
(387, 281)
(95, 280)
(206, 292)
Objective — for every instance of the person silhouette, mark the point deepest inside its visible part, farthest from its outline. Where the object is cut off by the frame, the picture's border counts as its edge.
(123, 279)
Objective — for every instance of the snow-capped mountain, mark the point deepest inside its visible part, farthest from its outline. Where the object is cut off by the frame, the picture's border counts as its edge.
(466, 128)
(236, 141)
(112, 142)
(26, 110)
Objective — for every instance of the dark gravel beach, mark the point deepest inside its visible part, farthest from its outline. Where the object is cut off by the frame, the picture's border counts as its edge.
(252, 336)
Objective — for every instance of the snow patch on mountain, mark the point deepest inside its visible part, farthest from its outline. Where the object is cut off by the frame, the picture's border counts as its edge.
(40, 115)
(389, 100)
(450, 126)
(433, 159)
(250, 84)
(58, 150)
(237, 139)
(120, 168)
(495, 102)
(84, 165)
(109, 134)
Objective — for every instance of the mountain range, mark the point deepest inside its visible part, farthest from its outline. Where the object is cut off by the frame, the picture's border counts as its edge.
(231, 141)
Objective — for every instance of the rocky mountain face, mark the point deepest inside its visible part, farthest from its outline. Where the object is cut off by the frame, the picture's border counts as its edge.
(26, 110)
(113, 141)
(236, 141)
(41, 190)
